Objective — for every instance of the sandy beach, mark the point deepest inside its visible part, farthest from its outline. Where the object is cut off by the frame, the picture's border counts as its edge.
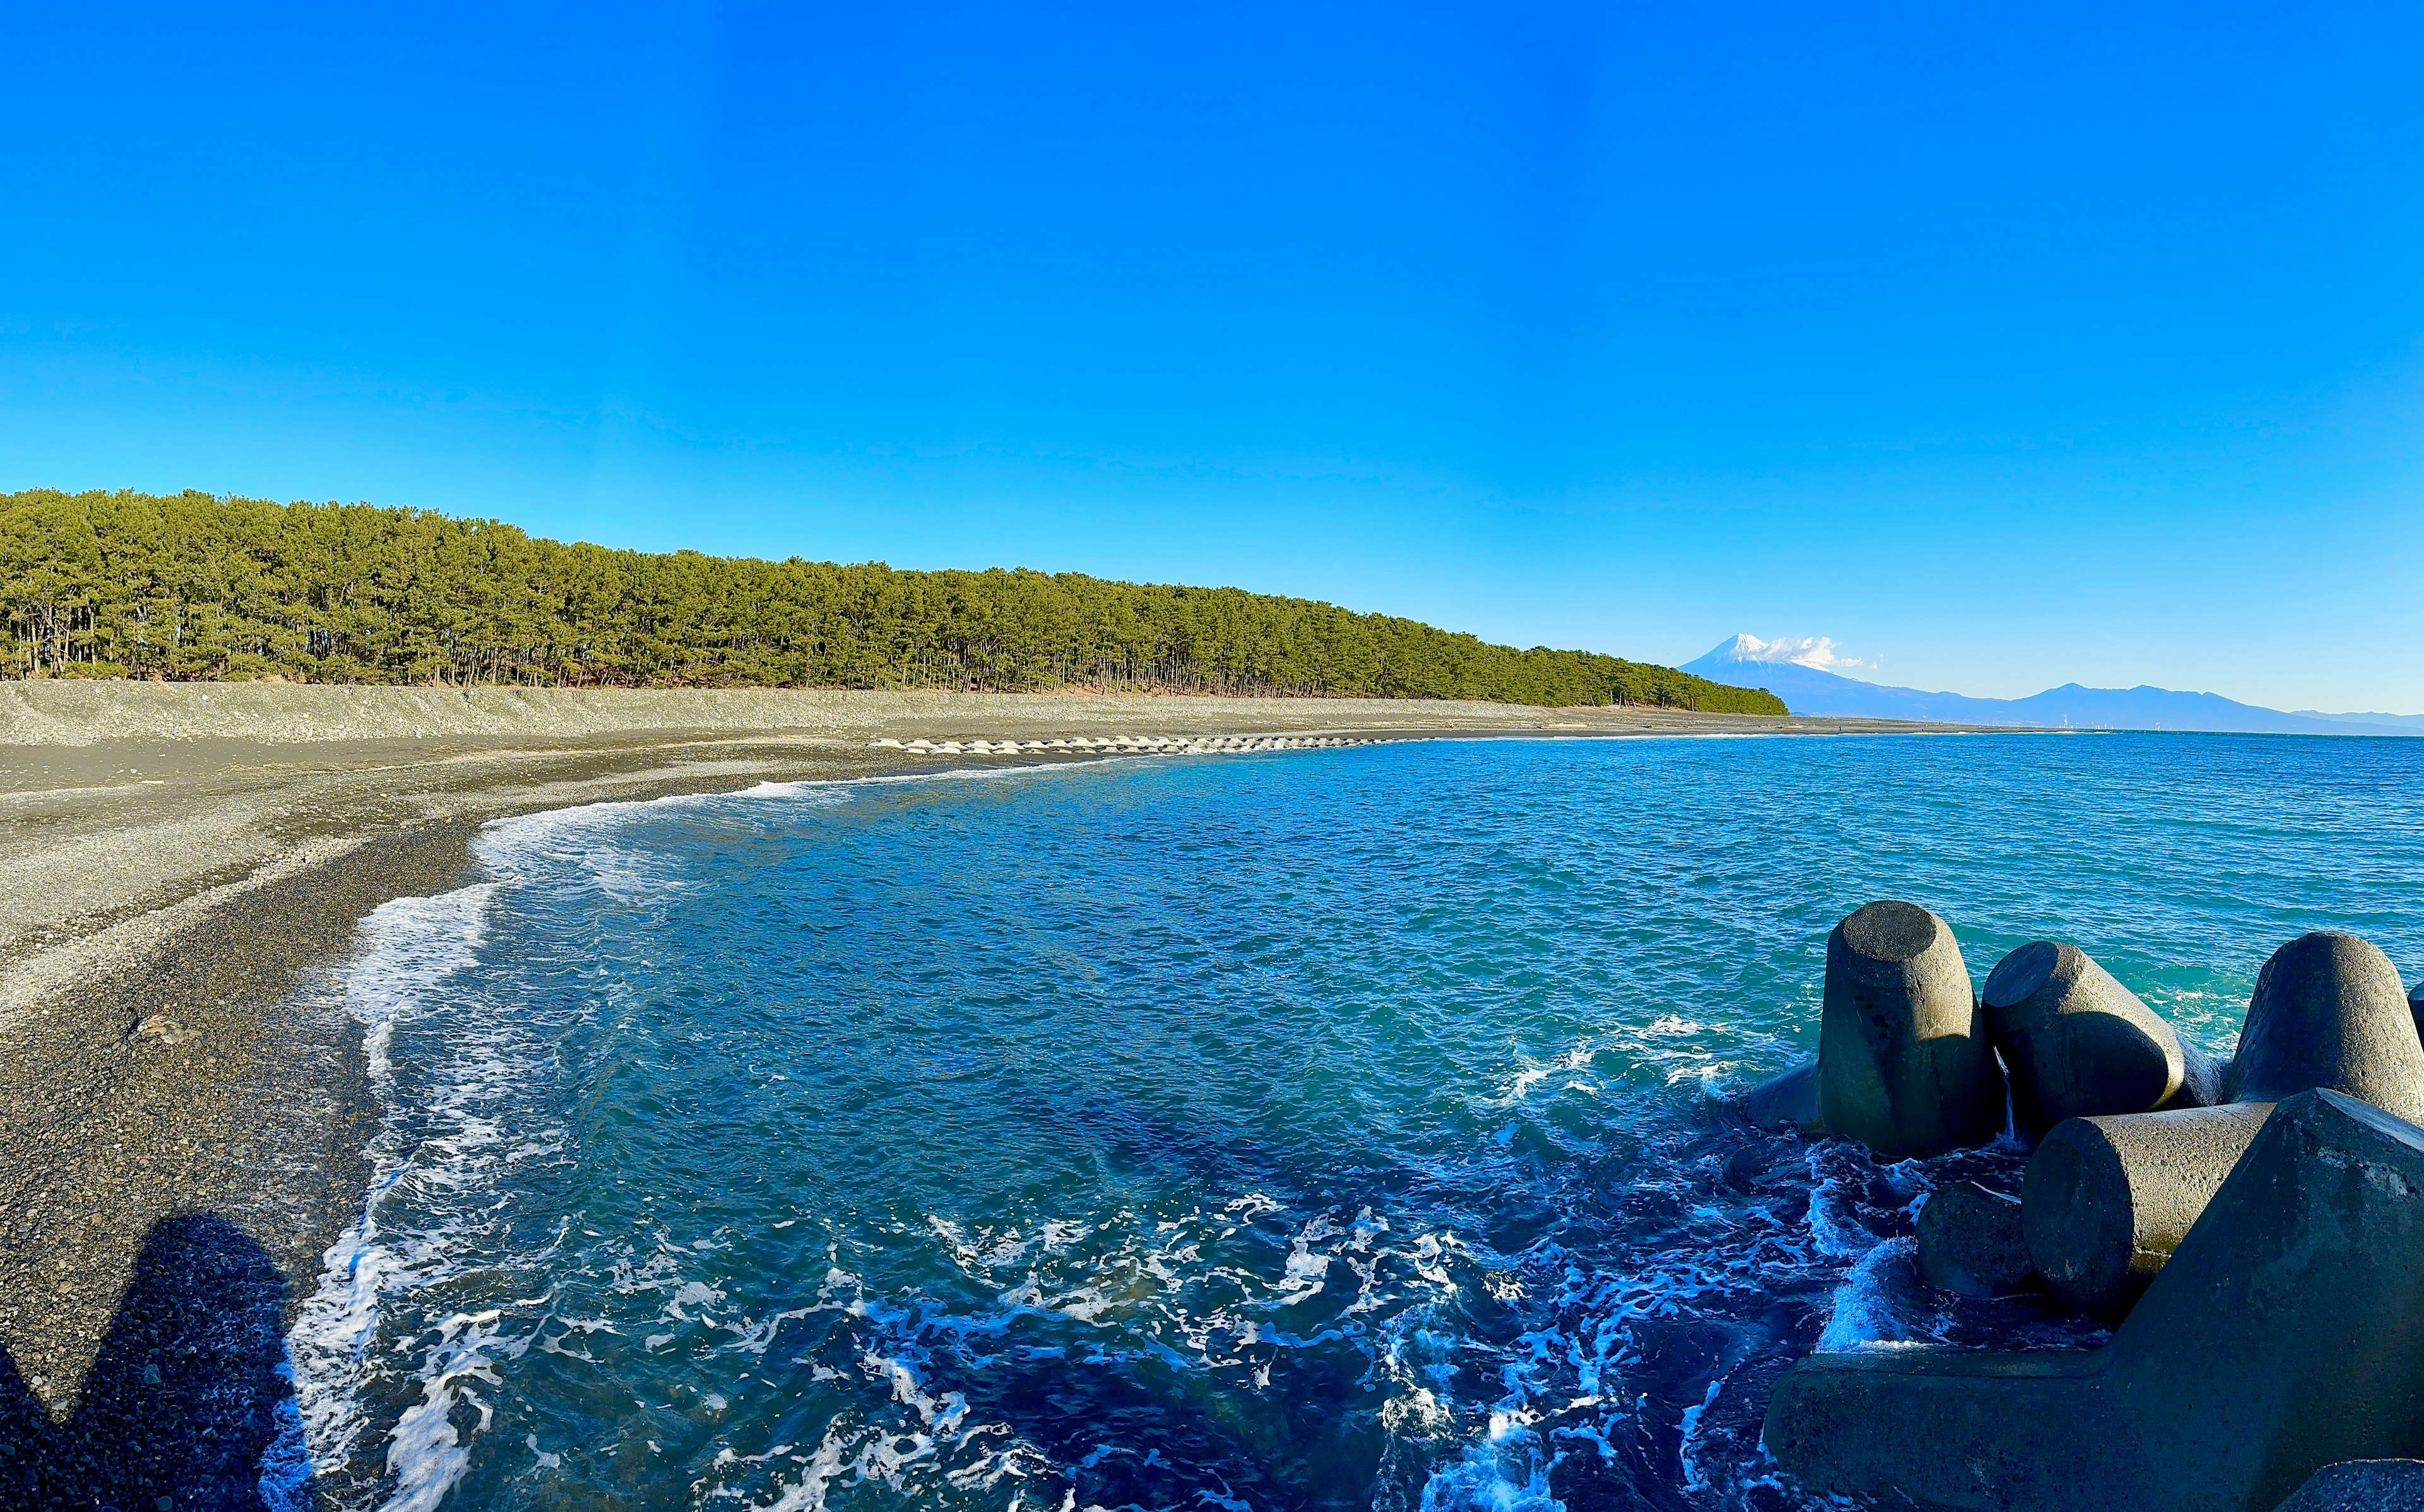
(178, 858)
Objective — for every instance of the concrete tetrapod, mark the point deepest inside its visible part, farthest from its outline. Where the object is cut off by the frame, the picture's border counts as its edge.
(2416, 1008)
(2201, 1087)
(2329, 1011)
(2106, 1199)
(2279, 1340)
(2077, 1042)
(1904, 1062)
(1786, 1102)
(1971, 1242)
(2362, 1486)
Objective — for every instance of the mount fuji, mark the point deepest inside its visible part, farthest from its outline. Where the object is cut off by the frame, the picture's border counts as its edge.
(1748, 661)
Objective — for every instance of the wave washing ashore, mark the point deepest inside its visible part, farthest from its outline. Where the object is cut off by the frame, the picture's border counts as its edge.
(1336, 1128)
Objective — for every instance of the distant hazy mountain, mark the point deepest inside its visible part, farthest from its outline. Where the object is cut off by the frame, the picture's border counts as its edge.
(2412, 724)
(1815, 691)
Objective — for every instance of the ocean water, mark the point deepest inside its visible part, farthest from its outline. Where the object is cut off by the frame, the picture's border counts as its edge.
(1323, 1129)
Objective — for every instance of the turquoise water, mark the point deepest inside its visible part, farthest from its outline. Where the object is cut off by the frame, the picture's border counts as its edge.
(1330, 1129)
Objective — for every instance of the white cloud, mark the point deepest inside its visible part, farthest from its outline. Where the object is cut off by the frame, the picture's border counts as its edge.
(1797, 650)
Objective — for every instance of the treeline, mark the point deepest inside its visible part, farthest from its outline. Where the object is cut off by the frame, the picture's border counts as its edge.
(192, 586)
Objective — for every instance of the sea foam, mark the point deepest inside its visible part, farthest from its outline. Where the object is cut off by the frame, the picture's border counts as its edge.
(412, 948)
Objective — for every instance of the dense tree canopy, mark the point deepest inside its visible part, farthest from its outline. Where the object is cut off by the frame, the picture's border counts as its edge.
(196, 587)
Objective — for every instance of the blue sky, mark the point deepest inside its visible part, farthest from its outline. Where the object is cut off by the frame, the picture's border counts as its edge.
(2005, 345)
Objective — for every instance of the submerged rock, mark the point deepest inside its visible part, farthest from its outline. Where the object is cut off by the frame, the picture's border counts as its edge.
(2362, 1486)
(2329, 1011)
(1970, 1242)
(2107, 1201)
(2077, 1042)
(1905, 1063)
(1787, 1101)
(2279, 1340)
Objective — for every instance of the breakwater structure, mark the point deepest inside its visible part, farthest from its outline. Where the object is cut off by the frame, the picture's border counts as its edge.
(2254, 1231)
(1126, 745)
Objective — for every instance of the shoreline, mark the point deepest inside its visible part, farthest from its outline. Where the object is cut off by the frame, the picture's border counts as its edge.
(208, 881)
(79, 711)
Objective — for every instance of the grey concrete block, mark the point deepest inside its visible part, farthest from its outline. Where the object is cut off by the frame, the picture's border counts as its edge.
(1971, 1242)
(2107, 1201)
(2201, 1080)
(1905, 1063)
(2329, 1011)
(2362, 1486)
(2109, 1198)
(2280, 1338)
(2075, 1042)
(1786, 1102)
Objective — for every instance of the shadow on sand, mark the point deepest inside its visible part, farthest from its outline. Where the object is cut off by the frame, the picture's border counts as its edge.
(180, 1402)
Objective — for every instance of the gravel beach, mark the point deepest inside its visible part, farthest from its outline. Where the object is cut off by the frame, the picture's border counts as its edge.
(181, 1133)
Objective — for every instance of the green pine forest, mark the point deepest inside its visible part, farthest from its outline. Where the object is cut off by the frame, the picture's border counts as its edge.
(195, 586)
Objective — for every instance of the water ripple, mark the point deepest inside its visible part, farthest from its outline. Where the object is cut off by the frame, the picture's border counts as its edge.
(1336, 1129)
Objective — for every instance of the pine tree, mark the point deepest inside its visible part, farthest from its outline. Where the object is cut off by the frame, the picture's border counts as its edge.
(195, 586)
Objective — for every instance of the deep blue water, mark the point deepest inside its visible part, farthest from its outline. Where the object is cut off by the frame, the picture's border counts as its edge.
(1324, 1129)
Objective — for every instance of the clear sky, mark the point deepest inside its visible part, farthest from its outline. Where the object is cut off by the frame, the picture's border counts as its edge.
(2004, 344)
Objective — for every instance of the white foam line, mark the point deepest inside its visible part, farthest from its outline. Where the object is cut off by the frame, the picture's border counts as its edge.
(522, 826)
(413, 945)
(545, 821)
(1695, 1478)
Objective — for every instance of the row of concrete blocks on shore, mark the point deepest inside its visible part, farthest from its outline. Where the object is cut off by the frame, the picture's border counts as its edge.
(2134, 1129)
(2258, 1226)
(1125, 745)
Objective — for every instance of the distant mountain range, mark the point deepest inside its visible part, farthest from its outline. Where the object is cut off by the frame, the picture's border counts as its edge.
(1807, 689)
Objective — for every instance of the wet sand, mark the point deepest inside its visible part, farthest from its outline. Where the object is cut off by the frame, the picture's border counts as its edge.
(174, 861)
